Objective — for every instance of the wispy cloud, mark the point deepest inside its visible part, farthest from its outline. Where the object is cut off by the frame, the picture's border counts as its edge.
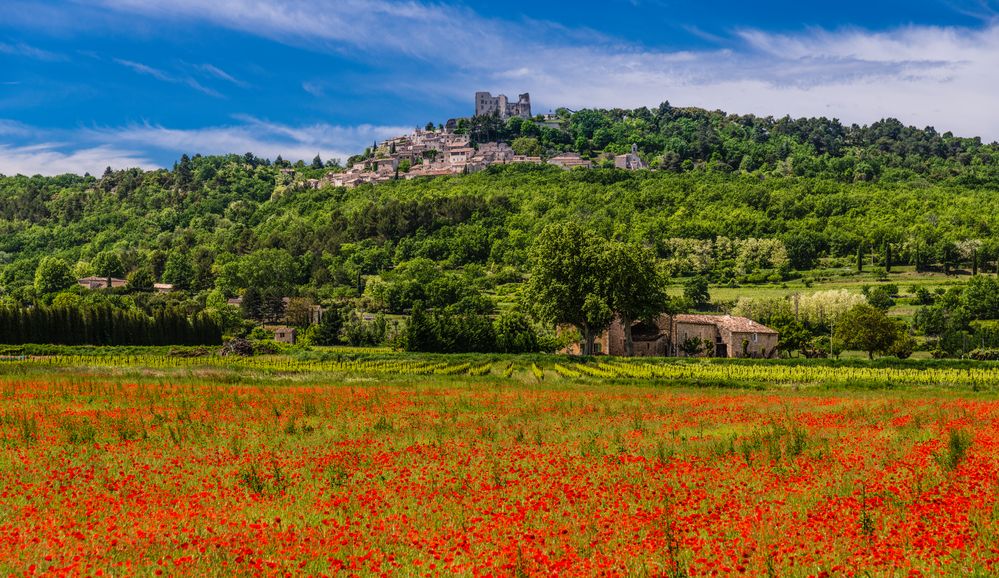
(166, 77)
(91, 149)
(53, 158)
(313, 88)
(216, 72)
(26, 50)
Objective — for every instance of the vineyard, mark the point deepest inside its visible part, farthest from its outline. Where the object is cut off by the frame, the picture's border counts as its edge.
(979, 377)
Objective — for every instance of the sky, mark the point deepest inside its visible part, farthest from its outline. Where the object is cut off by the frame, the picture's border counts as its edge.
(87, 84)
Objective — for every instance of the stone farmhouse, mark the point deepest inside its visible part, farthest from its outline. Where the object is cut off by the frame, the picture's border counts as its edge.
(101, 282)
(689, 336)
(570, 161)
(486, 103)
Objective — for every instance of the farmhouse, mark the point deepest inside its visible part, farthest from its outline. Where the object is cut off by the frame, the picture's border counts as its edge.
(689, 336)
(285, 334)
(569, 160)
(101, 282)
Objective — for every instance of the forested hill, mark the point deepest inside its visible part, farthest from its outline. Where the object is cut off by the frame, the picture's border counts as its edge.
(228, 222)
(684, 139)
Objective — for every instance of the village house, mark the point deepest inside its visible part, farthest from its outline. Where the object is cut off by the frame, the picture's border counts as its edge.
(569, 160)
(163, 287)
(687, 335)
(101, 282)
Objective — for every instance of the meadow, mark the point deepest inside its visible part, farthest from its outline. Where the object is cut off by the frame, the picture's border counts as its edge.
(407, 465)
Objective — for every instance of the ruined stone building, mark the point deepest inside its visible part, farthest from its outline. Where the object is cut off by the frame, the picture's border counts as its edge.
(486, 103)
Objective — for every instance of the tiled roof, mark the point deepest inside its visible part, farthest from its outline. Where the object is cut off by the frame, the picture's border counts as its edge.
(743, 325)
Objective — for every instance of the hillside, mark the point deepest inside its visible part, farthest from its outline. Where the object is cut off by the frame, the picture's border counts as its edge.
(739, 200)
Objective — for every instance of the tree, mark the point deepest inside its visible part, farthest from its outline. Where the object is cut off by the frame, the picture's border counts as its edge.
(141, 279)
(52, 275)
(514, 333)
(868, 329)
(252, 304)
(317, 163)
(420, 332)
(527, 146)
(695, 290)
(299, 311)
(107, 264)
(272, 307)
(328, 332)
(637, 290)
(178, 270)
(981, 297)
(567, 284)
(880, 296)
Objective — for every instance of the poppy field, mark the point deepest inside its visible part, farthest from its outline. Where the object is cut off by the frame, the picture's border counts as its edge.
(211, 472)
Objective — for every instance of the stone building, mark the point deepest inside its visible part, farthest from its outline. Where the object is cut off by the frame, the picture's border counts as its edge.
(101, 282)
(285, 335)
(569, 160)
(689, 336)
(630, 161)
(486, 103)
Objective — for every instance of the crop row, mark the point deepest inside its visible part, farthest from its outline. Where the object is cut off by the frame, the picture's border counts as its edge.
(711, 373)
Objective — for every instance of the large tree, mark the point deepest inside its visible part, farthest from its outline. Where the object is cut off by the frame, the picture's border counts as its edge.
(568, 282)
(868, 329)
(108, 264)
(52, 275)
(635, 285)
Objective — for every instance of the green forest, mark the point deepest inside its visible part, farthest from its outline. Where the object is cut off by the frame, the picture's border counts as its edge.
(732, 203)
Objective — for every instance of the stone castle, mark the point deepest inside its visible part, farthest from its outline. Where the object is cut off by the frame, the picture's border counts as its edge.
(486, 104)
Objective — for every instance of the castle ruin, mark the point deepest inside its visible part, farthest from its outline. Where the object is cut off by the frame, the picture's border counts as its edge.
(486, 103)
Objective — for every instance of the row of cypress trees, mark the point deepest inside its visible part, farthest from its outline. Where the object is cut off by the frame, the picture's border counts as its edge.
(101, 325)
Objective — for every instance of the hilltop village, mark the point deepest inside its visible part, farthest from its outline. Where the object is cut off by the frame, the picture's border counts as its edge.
(448, 150)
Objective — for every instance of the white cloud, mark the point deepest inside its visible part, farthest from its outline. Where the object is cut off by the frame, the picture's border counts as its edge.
(54, 159)
(22, 49)
(214, 71)
(941, 76)
(158, 74)
(93, 149)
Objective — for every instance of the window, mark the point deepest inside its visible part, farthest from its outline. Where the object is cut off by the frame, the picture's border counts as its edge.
(756, 337)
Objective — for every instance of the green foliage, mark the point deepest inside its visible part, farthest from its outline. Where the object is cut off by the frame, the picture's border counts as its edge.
(52, 275)
(515, 334)
(141, 279)
(868, 329)
(107, 264)
(105, 325)
(695, 291)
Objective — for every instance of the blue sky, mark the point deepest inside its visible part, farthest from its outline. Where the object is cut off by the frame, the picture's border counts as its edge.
(87, 84)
